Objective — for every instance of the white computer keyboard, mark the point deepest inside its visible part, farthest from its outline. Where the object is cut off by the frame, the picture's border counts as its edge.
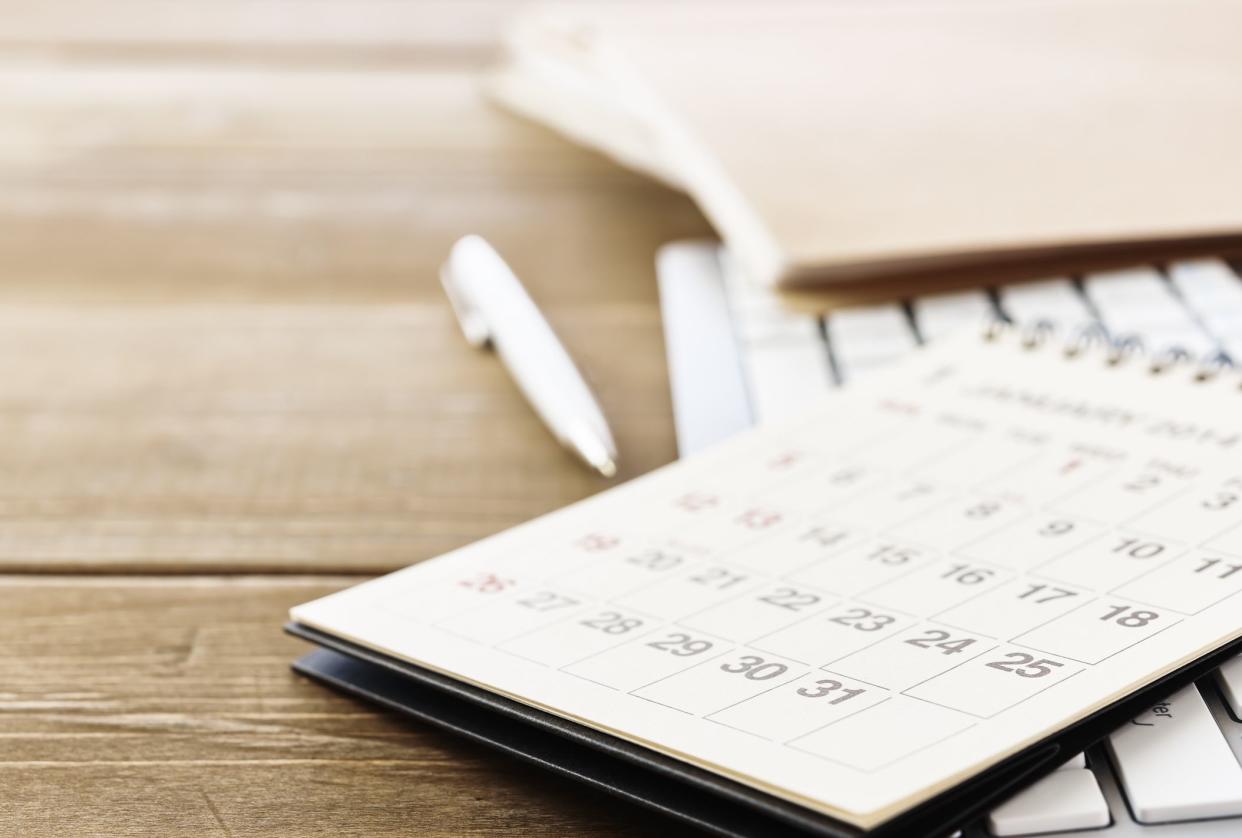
(738, 356)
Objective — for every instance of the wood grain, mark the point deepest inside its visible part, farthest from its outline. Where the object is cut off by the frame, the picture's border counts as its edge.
(264, 30)
(288, 438)
(245, 362)
(156, 706)
(225, 352)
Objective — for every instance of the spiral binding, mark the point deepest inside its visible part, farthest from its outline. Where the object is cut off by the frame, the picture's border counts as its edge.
(1116, 350)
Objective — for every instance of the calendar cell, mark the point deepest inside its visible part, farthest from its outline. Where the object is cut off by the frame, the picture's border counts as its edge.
(838, 436)
(960, 521)
(1014, 607)
(623, 572)
(774, 466)
(840, 631)
(904, 452)
(982, 458)
(912, 656)
(885, 733)
(828, 489)
(936, 586)
(800, 706)
(718, 683)
(743, 525)
(517, 613)
(586, 633)
(576, 550)
(798, 546)
(1196, 515)
(689, 507)
(1109, 561)
(1062, 471)
(759, 612)
(1097, 630)
(891, 503)
(1189, 583)
(860, 568)
(991, 683)
(1032, 541)
(689, 591)
(429, 602)
(648, 658)
(1230, 541)
(1126, 492)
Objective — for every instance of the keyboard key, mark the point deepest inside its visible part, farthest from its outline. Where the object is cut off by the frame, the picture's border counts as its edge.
(867, 337)
(1191, 338)
(942, 314)
(710, 402)
(1209, 287)
(1174, 763)
(1208, 279)
(1076, 761)
(770, 319)
(1056, 300)
(1139, 301)
(1230, 677)
(1066, 799)
(1129, 288)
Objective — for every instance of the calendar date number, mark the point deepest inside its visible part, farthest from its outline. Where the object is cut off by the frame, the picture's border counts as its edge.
(1025, 666)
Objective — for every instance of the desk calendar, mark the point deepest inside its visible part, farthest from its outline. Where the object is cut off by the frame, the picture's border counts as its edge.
(907, 590)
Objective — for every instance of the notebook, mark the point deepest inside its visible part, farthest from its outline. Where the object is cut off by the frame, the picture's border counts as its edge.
(854, 142)
(884, 613)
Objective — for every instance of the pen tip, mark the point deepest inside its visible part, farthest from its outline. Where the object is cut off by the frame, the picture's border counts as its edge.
(593, 446)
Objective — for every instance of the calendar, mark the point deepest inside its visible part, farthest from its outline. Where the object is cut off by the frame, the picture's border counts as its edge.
(866, 606)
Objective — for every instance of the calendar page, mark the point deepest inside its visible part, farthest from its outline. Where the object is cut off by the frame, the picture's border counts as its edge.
(862, 608)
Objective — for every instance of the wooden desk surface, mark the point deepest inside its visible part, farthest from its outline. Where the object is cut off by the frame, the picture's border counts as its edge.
(231, 384)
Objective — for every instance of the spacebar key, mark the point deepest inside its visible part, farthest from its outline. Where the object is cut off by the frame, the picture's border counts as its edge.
(1175, 764)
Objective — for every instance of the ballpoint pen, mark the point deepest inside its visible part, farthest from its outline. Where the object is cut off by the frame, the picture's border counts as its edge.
(494, 310)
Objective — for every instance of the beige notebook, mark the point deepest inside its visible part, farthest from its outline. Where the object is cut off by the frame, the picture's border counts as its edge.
(954, 562)
(866, 141)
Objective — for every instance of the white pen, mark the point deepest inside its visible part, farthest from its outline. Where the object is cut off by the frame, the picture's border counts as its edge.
(494, 309)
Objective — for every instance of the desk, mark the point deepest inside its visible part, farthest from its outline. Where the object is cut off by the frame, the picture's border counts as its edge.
(231, 384)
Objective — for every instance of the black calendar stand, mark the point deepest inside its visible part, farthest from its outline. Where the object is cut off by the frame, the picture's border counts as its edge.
(674, 788)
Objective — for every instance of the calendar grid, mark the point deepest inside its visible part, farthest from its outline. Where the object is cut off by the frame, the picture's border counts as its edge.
(1114, 653)
(855, 599)
(891, 587)
(662, 704)
(1002, 709)
(678, 672)
(885, 765)
(750, 581)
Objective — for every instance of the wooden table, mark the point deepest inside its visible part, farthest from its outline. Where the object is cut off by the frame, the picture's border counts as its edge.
(229, 383)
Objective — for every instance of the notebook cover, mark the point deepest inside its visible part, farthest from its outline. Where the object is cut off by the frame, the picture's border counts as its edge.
(695, 796)
(855, 142)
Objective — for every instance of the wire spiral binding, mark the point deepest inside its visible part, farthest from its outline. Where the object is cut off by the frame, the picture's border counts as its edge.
(1116, 350)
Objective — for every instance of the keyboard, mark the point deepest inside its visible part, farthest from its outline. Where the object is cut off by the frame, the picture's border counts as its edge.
(738, 356)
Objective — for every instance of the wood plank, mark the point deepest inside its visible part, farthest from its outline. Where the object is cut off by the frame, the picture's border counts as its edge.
(219, 183)
(262, 31)
(88, 118)
(166, 706)
(572, 244)
(289, 438)
(244, 360)
(269, 30)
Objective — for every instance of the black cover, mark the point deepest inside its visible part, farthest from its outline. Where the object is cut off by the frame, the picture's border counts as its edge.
(688, 793)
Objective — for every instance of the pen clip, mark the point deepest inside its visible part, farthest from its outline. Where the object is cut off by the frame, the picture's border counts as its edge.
(472, 323)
